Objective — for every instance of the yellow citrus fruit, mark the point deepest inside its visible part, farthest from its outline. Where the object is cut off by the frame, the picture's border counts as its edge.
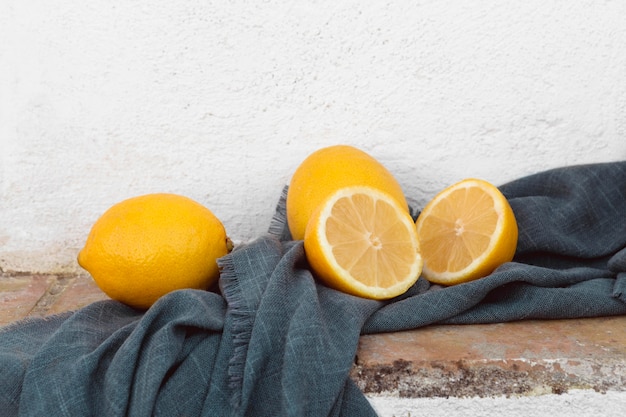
(465, 232)
(144, 247)
(363, 242)
(327, 170)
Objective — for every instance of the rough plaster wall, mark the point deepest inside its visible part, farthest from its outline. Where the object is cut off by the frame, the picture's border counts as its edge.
(220, 101)
(577, 403)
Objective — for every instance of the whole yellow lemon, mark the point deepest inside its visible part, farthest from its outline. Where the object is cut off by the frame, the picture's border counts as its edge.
(144, 247)
(327, 170)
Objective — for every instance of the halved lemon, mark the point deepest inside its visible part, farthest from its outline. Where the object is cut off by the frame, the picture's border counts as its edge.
(363, 242)
(327, 170)
(465, 232)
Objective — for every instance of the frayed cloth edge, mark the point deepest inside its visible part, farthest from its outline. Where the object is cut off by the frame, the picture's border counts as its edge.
(242, 322)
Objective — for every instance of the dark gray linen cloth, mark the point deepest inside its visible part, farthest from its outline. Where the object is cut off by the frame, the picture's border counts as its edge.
(272, 341)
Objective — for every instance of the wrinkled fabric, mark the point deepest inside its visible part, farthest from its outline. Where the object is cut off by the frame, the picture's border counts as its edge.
(274, 341)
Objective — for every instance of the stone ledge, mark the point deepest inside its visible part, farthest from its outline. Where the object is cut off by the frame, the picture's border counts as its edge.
(506, 359)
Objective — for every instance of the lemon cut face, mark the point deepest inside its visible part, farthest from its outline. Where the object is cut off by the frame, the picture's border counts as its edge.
(363, 242)
(466, 231)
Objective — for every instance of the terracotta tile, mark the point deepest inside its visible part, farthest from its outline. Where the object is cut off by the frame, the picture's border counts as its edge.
(79, 292)
(20, 294)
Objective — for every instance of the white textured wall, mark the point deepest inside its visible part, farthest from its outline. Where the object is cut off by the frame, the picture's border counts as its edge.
(576, 403)
(220, 101)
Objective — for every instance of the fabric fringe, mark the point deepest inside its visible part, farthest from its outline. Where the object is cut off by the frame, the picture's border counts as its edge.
(278, 224)
(242, 321)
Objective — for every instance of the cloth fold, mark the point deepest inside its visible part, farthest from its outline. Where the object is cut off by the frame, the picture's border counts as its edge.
(273, 341)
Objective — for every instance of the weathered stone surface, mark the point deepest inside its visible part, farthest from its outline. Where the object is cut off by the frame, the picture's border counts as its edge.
(521, 358)
(20, 294)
